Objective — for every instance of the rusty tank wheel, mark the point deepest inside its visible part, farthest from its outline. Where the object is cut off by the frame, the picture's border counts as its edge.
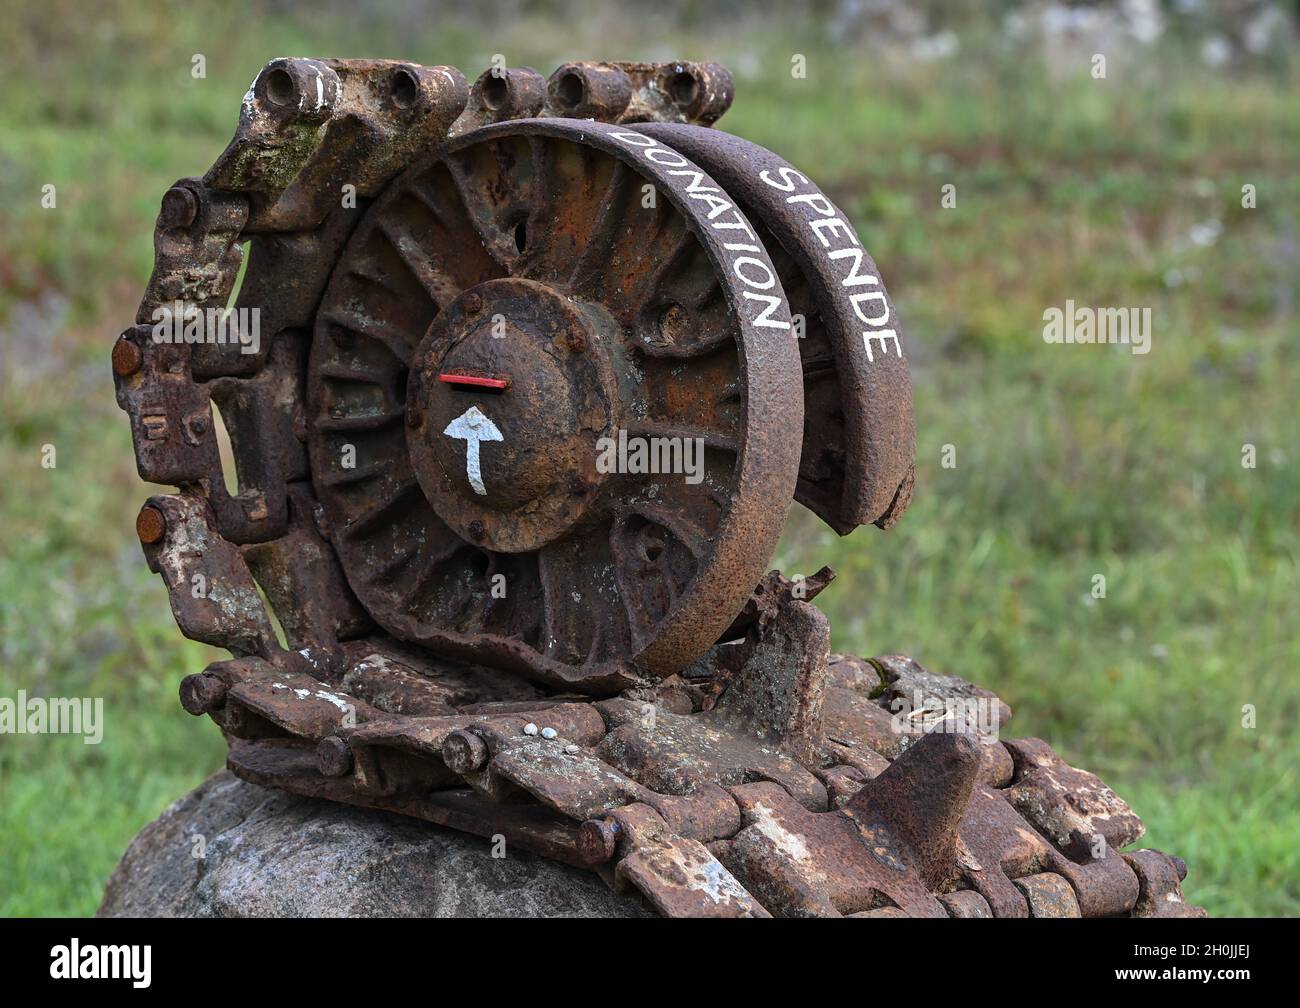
(531, 302)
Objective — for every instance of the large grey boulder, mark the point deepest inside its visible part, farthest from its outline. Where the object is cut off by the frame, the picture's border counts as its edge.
(232, 849)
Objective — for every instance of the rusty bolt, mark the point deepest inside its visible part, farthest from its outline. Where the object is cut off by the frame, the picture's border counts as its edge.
(477, 531)
(127, 357)
(202, 692)
(150, 525)
(597, 841)
(473, 303)
(333, 757)
(180, 207)
(464, 751)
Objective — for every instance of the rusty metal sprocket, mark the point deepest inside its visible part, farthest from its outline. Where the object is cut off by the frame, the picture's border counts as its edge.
(529, 251)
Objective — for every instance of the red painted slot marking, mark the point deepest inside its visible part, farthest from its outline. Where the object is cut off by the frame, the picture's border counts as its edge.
(495, 384)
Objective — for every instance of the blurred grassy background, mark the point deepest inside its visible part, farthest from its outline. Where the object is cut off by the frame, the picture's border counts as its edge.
(1071, 461)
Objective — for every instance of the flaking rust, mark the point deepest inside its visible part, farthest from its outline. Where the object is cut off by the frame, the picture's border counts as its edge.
(441, 598)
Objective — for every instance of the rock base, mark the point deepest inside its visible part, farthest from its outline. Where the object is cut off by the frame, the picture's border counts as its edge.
(233, 849)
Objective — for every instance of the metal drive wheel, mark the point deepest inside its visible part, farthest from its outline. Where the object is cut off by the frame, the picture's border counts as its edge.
(521, 334)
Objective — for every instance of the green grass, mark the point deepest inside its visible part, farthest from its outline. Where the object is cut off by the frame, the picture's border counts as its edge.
(1071, 461)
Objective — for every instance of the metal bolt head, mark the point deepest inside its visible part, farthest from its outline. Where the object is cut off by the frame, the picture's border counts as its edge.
(473, 303)
(477, 531)
(150, 525)
(597, 841)
(463, 752)
(334, 757)
(180, 207)
(127, 357)
(201, 693)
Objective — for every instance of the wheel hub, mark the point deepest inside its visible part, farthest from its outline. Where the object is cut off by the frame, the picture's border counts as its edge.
(509, 392)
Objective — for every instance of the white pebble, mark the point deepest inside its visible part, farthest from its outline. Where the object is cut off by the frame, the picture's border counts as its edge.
(549, 733)
(571, 749)
(530, 729)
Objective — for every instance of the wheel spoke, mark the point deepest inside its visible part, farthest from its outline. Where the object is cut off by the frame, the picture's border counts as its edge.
(495, 182)
(595, 273)
(363, 422)
(384, 510)
(681, 311)
(439, 215)
(485, 225)
(343, 477)
(435, 282)
(368, 274)
(582, 619)
(431, 561)
(570, 185)
(704, 400)
(657, 551)
(398, 343)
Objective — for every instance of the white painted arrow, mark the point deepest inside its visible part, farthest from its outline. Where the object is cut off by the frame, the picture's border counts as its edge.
(473, 426)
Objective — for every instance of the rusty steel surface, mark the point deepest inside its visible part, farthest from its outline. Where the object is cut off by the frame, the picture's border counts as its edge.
(436, 599)
(695, 800)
